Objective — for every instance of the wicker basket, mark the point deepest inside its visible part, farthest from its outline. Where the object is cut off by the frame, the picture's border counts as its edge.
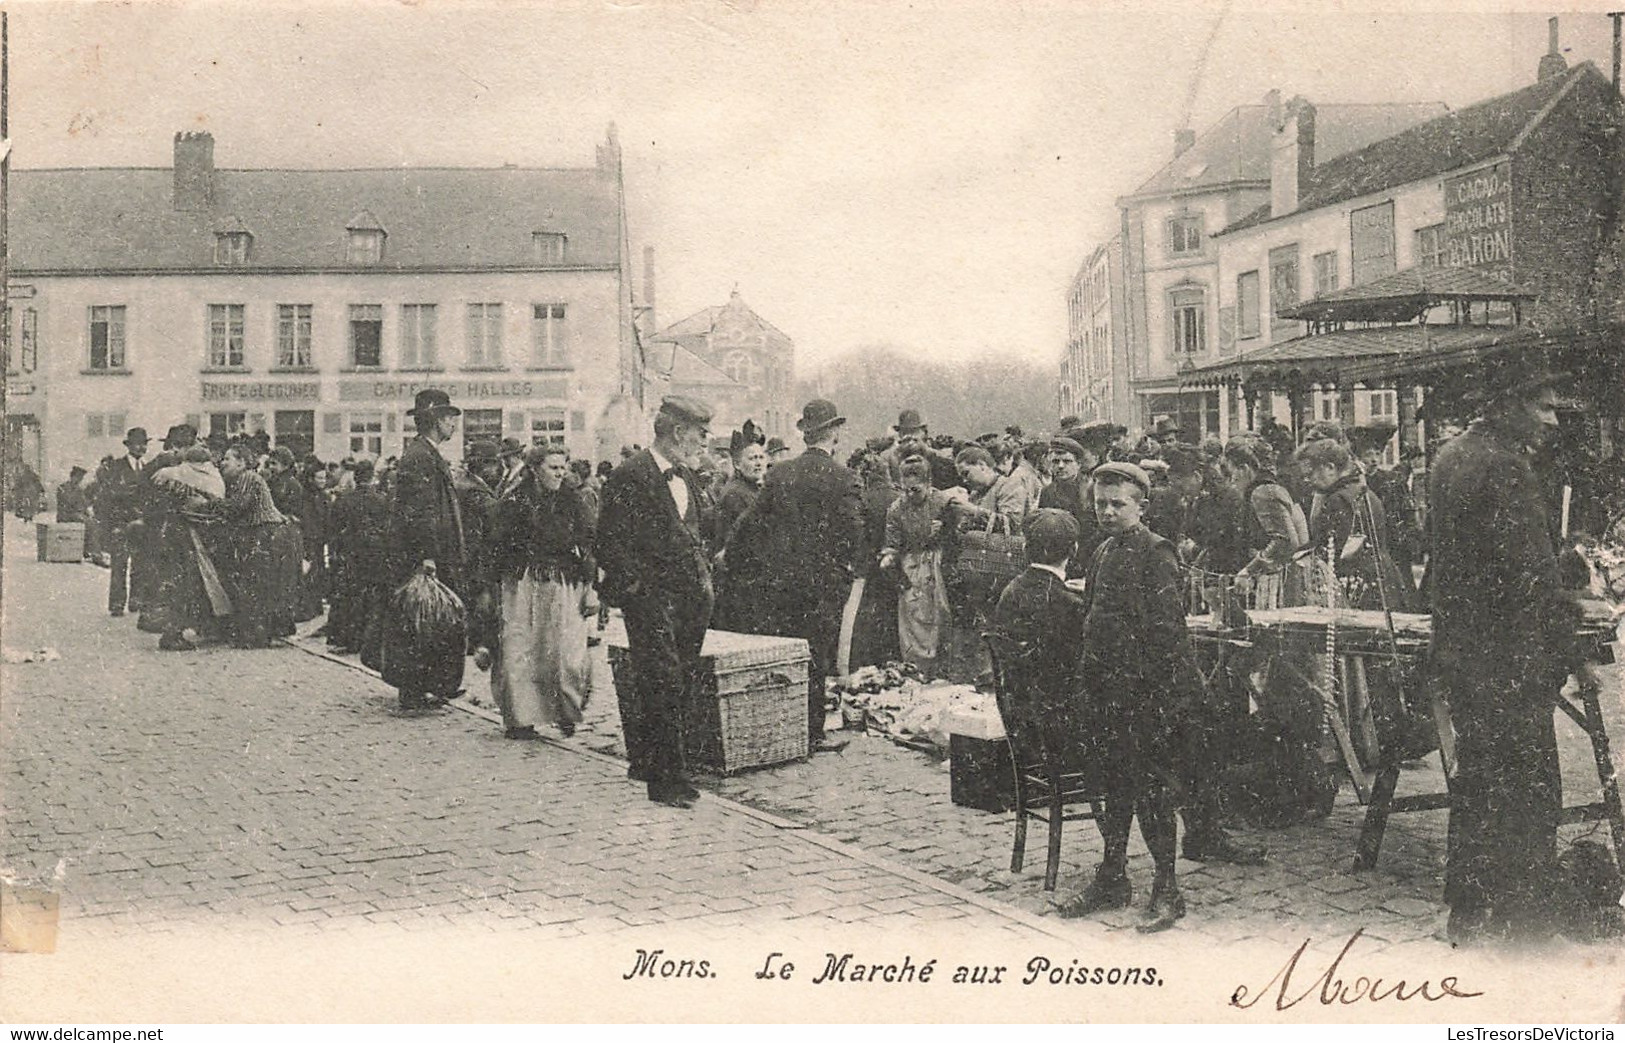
(751, 707)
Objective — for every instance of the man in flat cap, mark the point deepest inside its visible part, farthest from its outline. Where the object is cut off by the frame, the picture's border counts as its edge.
(426, 518)
(1069, 465)
(1138, 675)
(651, 547)
(118, 506)
(794, 552)
(1503, 645)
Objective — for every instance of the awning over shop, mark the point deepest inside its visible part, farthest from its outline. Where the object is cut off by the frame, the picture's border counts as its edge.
(1328, 359)
(1403, 296)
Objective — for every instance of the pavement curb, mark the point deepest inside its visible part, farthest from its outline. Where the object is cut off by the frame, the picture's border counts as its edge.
(803, 831)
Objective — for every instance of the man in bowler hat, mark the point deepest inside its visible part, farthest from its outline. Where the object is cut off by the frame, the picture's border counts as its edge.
(794, 553)
(651, 548)
(425, 519)
(118, 506)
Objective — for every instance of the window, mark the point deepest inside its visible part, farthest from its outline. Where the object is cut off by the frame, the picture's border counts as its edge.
(225, 336)
(547, 427)
(1185, 234)
(232, 247)
(417, 336)
(367, 434)
(1328, 405)
(107, 336)
(296, 429)
(740, 366)
(364, 246)
(28, 340)
(485, 335)
(293, 336)
(482, 425)
(1247, 304)
(549, 346)
(1372, 242)
(1285, 290)
(1429, 246)
(1325, 273)
(548, 247)
(94, 427)
(366, 335)
(1188, 321)
(227, 424)
(1384, 405)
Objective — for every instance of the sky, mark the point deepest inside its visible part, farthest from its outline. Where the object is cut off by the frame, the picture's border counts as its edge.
(922, 175)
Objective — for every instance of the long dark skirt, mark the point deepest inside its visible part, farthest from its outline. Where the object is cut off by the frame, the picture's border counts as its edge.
(874, 631)
(287, 557)
(180, 599)
(258, 592)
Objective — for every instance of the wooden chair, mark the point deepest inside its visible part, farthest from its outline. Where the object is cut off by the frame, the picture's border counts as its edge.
(1044, 790)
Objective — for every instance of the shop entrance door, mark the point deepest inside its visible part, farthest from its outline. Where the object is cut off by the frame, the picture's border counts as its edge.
(296, 429)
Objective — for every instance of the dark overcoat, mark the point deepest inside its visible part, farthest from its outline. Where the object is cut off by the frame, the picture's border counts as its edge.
(425, 518)
(1038, 614)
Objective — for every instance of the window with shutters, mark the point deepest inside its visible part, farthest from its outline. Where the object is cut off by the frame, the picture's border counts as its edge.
(484, 336)
(1428, 246)
(293, 336)
(366, 335)
(107, 338)
(226, 336)
(1247, 304)
(1371, 241)
(1326, 276)
(1188, 322)
(418, 350)
(549, 337)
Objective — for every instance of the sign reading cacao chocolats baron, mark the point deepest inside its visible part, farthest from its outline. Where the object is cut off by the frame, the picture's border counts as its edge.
(398, 390)
(1478, 220)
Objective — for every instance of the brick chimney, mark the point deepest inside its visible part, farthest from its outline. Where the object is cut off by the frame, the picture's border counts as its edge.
(609, 153)
(1184, 138)
(194, 170)
(1552, 62)
(1292, 156)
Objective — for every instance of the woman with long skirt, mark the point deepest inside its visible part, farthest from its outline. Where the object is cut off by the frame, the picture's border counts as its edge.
(258, 588)
(539, 545)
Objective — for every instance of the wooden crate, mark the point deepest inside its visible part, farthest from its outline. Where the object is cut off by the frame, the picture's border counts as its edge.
(750, 709)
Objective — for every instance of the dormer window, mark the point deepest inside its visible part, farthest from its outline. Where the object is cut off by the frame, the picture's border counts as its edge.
(232, 242)
(548, 247)
(364, 242)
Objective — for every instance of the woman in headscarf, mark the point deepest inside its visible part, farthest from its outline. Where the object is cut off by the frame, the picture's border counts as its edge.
(260, 588)
(190, 594)
(539, 548)
(748, 452)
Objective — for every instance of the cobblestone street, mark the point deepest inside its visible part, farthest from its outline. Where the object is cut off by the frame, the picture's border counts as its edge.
(203, 804)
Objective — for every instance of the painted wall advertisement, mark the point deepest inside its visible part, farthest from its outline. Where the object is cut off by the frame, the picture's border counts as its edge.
(1478, 220)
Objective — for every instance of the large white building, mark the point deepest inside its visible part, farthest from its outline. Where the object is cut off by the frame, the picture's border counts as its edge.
(314, 304)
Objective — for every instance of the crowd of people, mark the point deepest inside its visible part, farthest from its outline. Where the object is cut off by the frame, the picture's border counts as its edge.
(1074, 557)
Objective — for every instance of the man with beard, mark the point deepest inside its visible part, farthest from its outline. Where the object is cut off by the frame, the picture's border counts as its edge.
(1503, 644)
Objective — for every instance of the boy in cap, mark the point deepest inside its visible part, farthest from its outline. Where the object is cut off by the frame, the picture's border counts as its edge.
(1137, 676)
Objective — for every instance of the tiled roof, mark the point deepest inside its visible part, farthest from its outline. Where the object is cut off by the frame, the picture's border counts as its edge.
(1237, 148)
(1320, 358)
(1413, 288)
(123, 218)
(1459, 139)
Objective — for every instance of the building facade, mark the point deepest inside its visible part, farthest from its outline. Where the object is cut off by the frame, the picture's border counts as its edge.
(749, 351)
(314, 304)
(1513, 192)
(1170, 315)
(1095, 372)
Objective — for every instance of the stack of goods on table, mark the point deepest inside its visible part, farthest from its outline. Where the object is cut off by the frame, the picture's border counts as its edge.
(896, 701)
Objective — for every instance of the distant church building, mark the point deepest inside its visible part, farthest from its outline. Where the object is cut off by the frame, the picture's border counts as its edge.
(748, 350)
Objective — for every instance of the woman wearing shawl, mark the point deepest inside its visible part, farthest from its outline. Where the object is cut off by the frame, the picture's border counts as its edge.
(261, 591)
(748, 451)
(539, 548)
(190, 594)
(918, 525)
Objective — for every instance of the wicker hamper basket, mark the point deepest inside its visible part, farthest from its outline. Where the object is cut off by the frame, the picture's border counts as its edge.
(751, 707)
